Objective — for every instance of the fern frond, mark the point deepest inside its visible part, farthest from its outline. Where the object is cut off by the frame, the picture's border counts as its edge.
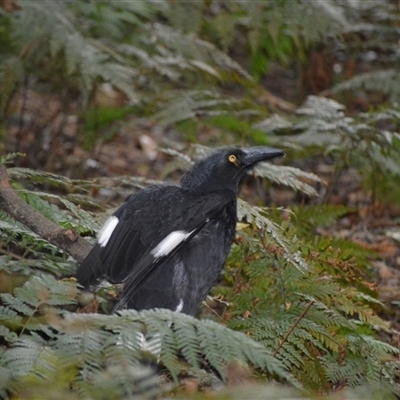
(35, 176)
(218, 344)
(289, 176)
(57, 266)
(384, 81)
(13, 231)
(31, 356)
(200, 53)
(257, 216)
(47, 290)
(90, 342)
(85, 222)
(181, 105)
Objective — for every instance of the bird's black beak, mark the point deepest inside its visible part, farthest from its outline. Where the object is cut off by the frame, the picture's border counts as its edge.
(254, 155)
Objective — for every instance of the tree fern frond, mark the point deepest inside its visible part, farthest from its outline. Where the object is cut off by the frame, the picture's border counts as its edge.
(125, 382)
(368, 142)
(10, 230)
(58, 266)
(6, 334)
(182, 105)
(256, 216)
(47, 290)
(195, 49)
(384, 81)
(30, 356)
(188, 341)
(315, 20)
(31, 305)
(84, 223)
(191, 338)
(290, 356)
(289, 176)
(35, 176)
(17, 306)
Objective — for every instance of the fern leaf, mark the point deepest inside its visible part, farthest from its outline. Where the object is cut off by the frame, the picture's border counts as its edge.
(256, 216)
(289, 176)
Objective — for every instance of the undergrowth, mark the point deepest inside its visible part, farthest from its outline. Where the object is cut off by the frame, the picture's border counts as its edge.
(296, 311)
(294, 306)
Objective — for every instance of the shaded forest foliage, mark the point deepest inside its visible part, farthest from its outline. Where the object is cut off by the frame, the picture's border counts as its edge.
(100, 99)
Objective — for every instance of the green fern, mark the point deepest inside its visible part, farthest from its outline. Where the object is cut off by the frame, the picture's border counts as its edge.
(117, 43)
(380, 41)
(48, 178)
(369, 142)
(16, 233)
(277, 30)
(187, 104)
(384, 81)
(90, 345)
(307, 317)
(82, 222)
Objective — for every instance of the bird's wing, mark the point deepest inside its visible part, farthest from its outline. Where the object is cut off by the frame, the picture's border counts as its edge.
(160, 215)
(128, 233)
(191, 220)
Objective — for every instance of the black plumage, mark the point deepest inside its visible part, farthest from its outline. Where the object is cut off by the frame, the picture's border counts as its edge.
(168, 243)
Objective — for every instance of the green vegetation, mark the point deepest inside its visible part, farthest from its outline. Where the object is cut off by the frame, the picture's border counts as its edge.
(296, 304)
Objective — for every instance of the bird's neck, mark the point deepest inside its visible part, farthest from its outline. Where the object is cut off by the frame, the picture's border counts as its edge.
(209, 187)
(200, 183)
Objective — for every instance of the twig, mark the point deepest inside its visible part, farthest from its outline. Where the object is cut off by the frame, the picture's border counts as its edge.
(11, 254)
(294, 326)
(65, 239)
(277, 103)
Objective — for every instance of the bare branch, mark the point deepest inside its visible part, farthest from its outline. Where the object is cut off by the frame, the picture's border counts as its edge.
(65, 239)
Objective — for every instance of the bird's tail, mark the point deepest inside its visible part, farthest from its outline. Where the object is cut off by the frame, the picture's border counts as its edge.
(89, 272)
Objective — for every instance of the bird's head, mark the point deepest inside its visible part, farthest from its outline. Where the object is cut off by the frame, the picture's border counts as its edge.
(225, 167)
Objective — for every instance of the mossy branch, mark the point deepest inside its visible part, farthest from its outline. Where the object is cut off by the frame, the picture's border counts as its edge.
(67, 240)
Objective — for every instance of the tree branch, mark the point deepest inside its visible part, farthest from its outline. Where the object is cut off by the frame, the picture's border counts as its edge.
(65, 239)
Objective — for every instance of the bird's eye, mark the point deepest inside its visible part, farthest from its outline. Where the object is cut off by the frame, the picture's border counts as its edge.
(233, 159)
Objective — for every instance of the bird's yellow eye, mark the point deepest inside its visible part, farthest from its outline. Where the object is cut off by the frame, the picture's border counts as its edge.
(233, 159)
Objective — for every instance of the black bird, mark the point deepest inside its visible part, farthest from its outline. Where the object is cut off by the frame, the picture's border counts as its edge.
(168, 243)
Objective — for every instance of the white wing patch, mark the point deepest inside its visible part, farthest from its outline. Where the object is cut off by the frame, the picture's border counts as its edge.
(179, 306)
(107, 230)
(169, 243)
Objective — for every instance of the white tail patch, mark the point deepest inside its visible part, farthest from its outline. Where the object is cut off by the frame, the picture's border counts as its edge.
(107, 230)
(169, 243)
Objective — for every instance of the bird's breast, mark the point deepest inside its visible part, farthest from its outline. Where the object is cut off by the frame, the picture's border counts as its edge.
(198, 266)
